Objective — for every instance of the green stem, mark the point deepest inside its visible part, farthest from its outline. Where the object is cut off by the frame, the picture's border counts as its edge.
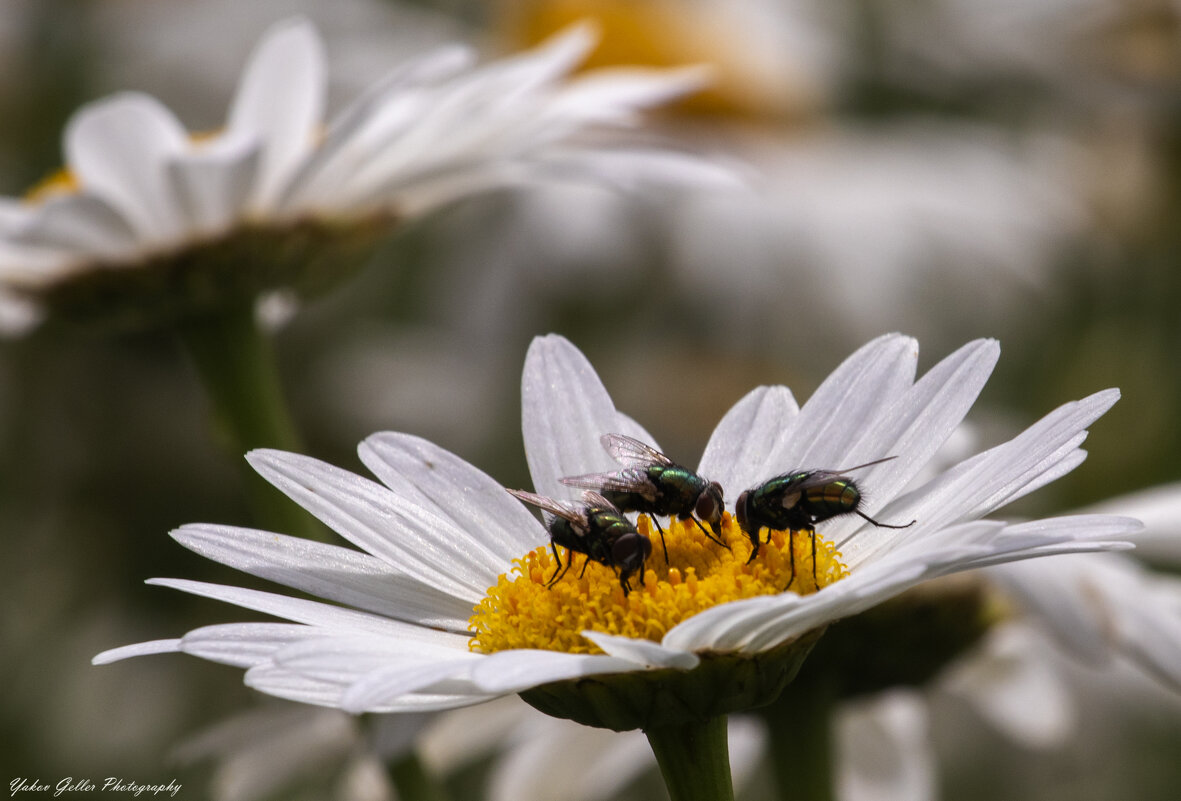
(801, 743)
(412, 781)
(694, 759)
(237, 367)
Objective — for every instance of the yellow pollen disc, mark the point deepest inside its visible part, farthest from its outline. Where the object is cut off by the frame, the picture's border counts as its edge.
(520, 611)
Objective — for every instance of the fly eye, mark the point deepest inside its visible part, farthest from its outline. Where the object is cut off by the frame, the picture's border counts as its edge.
(740, 509)
(707, 506)
(631, 550)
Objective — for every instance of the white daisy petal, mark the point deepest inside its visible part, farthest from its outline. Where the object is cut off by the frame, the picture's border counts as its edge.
(1015, 687)
(212, 185)
(392, 681)
(885, 751)
(345, 659)
(513, 671)
(171, 646)
(1103, 604)
(82, 223)
(337, 155)
(564, 411)
(609, 95)
(1159, 509)
(475, 501)
(330, 572)
(642, 652)
(1002, 474)
(740, 446)
(280, 101)
(117, 149)
(282, 683)
(394, 528)
(918, 425)
(846, 406)
(245, 644)
(315, 614)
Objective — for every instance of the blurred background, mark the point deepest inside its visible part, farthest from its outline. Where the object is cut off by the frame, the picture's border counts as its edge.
(946, 168)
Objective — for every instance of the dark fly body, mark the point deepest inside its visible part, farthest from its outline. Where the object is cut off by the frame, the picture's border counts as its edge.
(653, 484)
(595, 528)
(799, 500)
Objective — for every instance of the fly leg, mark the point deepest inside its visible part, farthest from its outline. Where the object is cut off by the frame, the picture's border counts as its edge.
(706, 533)
(656, 523)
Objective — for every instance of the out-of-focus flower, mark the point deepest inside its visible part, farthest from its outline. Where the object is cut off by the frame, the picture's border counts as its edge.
(1103, 612)
(442, 536)
(1085, 51)
(259, 753)
(881, 750)
(772, 58)
(151, 222)
(262, 752)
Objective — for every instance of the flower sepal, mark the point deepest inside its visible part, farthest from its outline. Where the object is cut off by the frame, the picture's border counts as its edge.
(721, 684)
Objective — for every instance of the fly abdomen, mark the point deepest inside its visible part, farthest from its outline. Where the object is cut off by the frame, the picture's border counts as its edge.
(832, 499)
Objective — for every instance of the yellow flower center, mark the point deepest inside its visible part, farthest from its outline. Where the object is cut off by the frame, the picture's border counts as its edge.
(520, 611)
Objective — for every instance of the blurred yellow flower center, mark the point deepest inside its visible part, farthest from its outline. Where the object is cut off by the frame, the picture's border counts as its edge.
(671, 33)
(520, 611)
(58, 182)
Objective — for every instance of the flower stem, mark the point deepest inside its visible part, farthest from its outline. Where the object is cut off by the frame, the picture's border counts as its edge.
(412, 781)
(694, 760)
(801, 743)
(236, 364)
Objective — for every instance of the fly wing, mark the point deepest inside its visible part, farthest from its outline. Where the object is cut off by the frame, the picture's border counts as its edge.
(818, 478)
(630, 452)
(592, 498)
(564, 509)
(810, 479)
(634, 479)
(858, 467)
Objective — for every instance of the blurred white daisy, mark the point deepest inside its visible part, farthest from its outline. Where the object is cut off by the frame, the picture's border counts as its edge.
(1102, 612)
(259, 753)
(278, 197)
(441, 537)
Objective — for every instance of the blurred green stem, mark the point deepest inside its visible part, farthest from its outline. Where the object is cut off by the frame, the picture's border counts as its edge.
(694, 760)
(412, 781)
(801, 743)
(237, 366)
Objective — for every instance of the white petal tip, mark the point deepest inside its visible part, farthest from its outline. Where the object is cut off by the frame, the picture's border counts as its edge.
(139, 649)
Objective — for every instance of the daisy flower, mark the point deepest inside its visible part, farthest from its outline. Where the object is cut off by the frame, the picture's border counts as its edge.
(150, 221)
(449, 601)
